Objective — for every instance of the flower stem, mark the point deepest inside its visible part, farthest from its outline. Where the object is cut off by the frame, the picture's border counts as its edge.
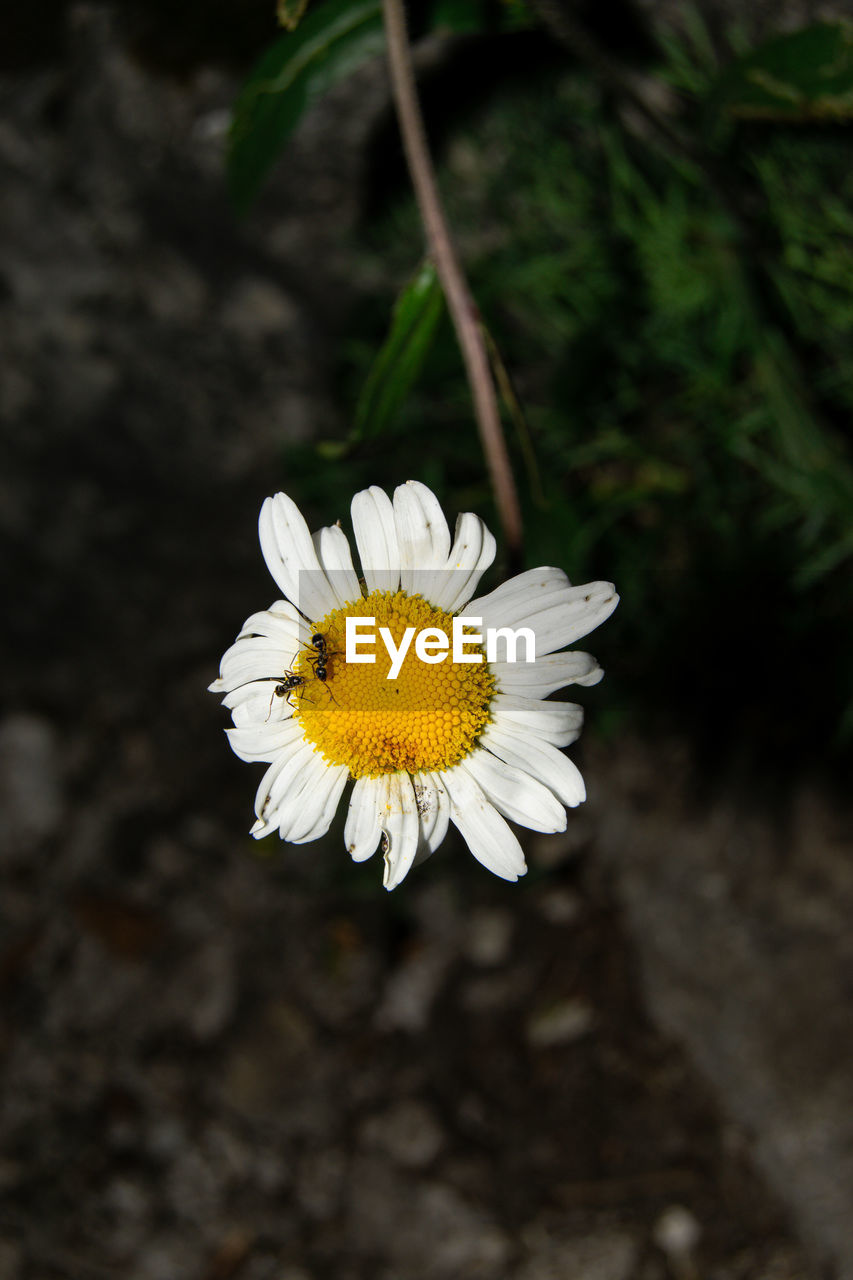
(461, 305)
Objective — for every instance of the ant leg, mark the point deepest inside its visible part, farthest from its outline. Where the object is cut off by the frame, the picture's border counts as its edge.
(269, 712)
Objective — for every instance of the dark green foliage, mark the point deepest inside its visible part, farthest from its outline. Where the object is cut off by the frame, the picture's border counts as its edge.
(317, 51)
(804, 75)
(326, 46)
(677, 325)
(687, 373)
(413, 324)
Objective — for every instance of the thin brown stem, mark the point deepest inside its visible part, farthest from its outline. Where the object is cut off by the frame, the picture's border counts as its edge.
(460, 304)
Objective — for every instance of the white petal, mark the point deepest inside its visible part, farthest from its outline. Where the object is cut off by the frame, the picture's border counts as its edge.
(539, 759)
(362, 829)
(281, 622)
(583, 609)
(518, 596)
(291, 559)
(544, 600)
(433, 812)
(400, 829)
(422, 535)
(333, 552)
(376, 539)
(257, 704)
(266, 817)
(518, 796)
(311, 807)
(472, 552)
(557, 722)
(263, 742)
(482, 827)
(290, 789)
(547, 674)
(254, 658)
(329, 797)
(282, 774)
(265, 648)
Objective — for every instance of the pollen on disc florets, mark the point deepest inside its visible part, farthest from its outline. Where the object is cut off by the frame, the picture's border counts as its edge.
(427, 718)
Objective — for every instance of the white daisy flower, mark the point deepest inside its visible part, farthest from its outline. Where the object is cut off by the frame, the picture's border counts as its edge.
(428, 735)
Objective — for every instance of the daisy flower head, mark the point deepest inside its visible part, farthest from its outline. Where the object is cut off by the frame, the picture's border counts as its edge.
(431, 701)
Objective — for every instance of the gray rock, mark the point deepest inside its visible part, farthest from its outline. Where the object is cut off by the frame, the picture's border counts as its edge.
(408, 1132)
(598, 1255)
(31, 787)
(742, 927)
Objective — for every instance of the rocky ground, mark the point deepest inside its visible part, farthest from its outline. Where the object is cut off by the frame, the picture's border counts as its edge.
(224, 1061)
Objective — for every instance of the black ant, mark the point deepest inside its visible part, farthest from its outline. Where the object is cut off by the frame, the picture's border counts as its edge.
(318, 642)
(320, 660)
(284, 687)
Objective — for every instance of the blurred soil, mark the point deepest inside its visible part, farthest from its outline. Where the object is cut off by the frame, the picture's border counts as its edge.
(223, 1061)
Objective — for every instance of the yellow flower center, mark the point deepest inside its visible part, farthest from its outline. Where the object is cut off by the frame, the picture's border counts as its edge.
(428, 717)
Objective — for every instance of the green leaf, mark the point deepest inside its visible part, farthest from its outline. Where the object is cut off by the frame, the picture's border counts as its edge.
(413, 323)
(807, 75)
(330, 43)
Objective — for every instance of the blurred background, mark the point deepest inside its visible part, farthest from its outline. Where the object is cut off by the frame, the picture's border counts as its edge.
(220, 1059)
